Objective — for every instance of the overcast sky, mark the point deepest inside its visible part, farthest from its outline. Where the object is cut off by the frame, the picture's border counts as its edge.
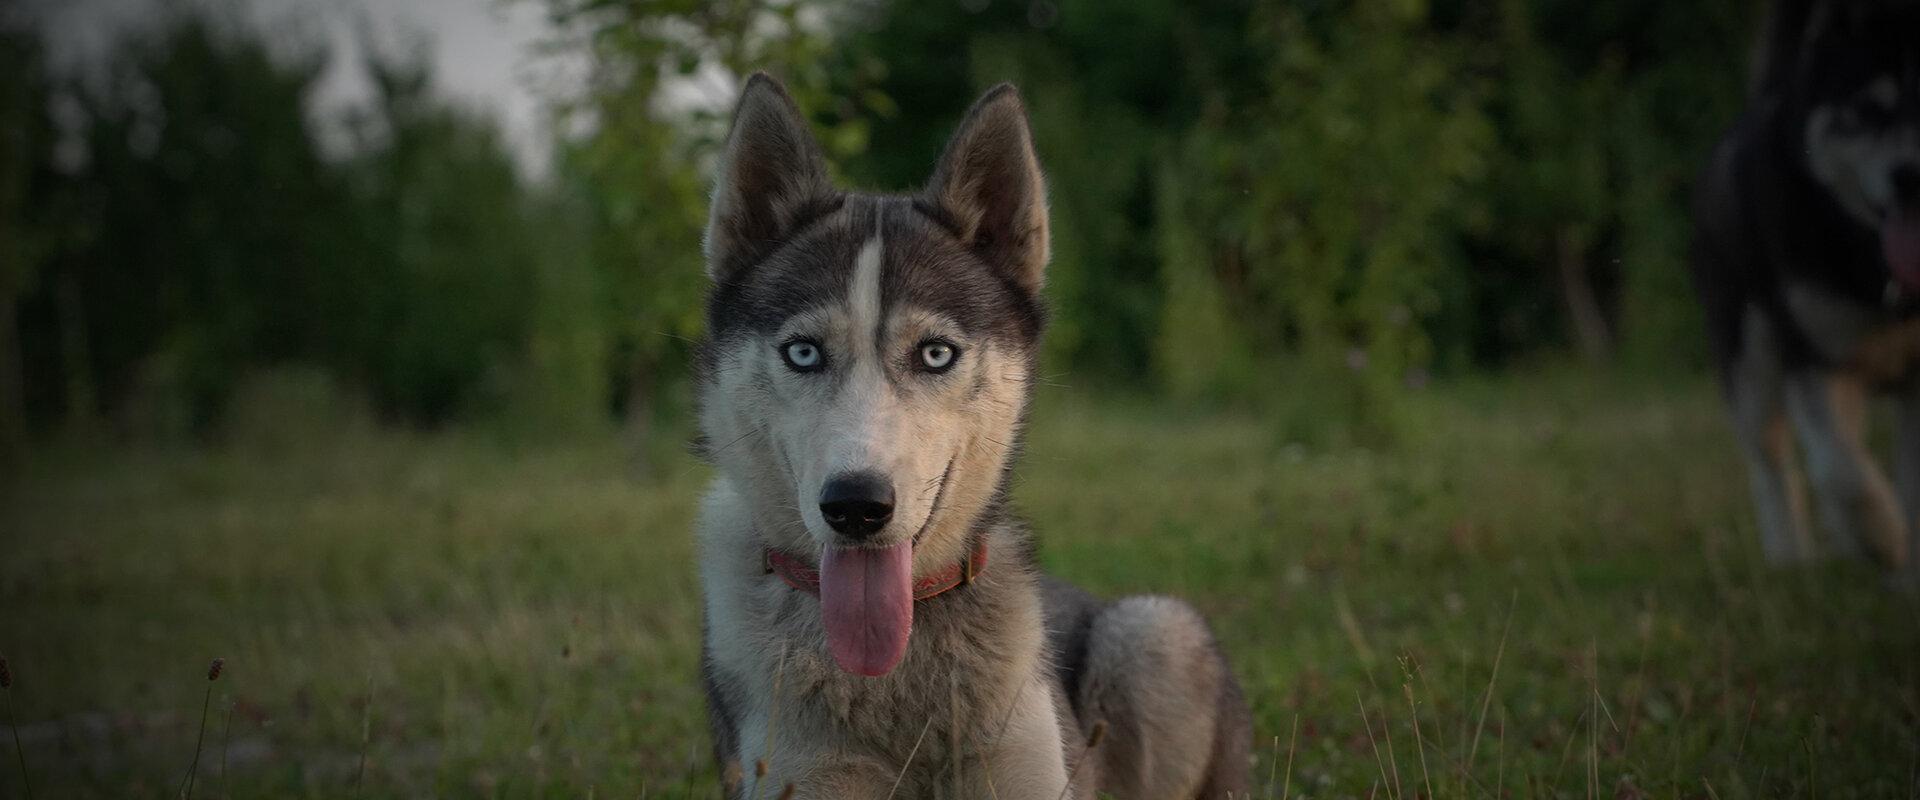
(483, 50)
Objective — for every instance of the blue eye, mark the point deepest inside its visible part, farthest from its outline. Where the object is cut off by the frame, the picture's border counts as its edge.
(938, 356)
(802, 355)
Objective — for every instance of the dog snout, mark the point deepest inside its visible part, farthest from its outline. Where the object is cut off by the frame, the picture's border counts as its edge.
(857, 505)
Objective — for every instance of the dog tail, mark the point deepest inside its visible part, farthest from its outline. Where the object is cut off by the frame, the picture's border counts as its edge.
(1176, 724)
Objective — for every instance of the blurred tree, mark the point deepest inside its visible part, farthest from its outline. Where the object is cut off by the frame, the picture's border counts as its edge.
(1259, 201)
(1324, 212)
(658, 101)
(1340, 193)
(1112, 86)
(1604, 111)
(443, 271)
(200, 233)
(201, 211)
(26, 140)
(1548, 197)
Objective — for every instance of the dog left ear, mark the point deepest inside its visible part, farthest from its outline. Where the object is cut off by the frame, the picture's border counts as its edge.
(989, 184)
(772, 177)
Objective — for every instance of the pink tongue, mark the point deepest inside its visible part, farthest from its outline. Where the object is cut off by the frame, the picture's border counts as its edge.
(866, 602)
(1900, 242)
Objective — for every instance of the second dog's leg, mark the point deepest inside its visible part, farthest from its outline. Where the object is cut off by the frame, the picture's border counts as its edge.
(1756, 396)
(1858, 504)
(1906, 465)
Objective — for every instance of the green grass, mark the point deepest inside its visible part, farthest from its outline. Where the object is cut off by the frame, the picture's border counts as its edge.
(518, 621)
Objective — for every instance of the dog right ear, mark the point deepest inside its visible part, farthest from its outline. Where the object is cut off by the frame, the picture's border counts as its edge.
(772, 177)
(989, 184)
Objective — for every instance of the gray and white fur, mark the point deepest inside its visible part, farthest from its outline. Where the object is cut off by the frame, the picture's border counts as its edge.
(889, 340)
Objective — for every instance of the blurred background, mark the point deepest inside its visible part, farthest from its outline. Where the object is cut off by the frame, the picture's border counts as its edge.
(462, 211)
(349, 341)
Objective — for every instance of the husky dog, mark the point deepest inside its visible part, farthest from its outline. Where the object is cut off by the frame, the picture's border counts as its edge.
(1807, 261)
(875, 626)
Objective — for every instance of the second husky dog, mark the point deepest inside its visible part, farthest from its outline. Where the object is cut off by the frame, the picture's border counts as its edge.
(875, 626)
(1807, 263)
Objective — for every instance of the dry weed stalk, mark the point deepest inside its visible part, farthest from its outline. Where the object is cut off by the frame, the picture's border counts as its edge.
(19, 751)
(206, 702)
(1093, 740)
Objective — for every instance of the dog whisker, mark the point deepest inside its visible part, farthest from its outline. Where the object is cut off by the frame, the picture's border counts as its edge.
(736, 440)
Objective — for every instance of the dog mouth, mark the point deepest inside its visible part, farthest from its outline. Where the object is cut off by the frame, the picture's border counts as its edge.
(866, 606)
(939, 494)
(866, 598)
(1900, 245)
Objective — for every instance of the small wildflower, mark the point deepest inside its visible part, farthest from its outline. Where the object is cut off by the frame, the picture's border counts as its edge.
(213, 671)
(6, 674)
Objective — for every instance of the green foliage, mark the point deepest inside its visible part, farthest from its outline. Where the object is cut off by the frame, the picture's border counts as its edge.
(26, 129)
(447, 258)
(1110, 85)
(656, 122)
(1305, 207)
(204, 224)
(1255, 202)
(202, 235)
(1604, 113)
(1324, 212)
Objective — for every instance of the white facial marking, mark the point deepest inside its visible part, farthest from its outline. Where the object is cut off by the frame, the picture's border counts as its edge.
(863, 297)
(1857, 165)
(864, 427)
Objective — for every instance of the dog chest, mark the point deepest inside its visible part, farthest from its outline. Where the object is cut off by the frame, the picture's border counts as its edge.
(1880, 348)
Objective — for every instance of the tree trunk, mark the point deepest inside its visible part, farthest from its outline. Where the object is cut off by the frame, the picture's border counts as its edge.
(13, 387)
(75, 356)
(1588, 321)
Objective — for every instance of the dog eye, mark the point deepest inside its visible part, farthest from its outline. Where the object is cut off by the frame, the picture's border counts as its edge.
(938, 356)
(802, 355)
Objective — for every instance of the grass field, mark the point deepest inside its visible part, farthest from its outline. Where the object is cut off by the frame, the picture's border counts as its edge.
(1550, 589)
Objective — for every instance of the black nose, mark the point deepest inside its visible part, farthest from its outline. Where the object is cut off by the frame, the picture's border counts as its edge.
(1906, 185)
(857, 504)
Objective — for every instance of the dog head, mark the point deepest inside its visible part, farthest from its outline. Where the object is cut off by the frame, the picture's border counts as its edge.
(868, 357)
(1856, 81)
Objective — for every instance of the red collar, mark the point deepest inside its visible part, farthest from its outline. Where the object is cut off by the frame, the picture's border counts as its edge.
(806, 577)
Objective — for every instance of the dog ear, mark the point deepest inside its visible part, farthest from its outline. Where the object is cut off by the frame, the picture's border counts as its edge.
(1778, 52)
(989, 185)
(772, 177)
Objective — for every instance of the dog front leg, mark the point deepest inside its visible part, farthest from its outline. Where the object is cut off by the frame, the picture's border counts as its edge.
(841, 781)
(814, 767)
(1756, 396)
(1027, 759)
(819, 777)
(1858, 503)
(1906, 466)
